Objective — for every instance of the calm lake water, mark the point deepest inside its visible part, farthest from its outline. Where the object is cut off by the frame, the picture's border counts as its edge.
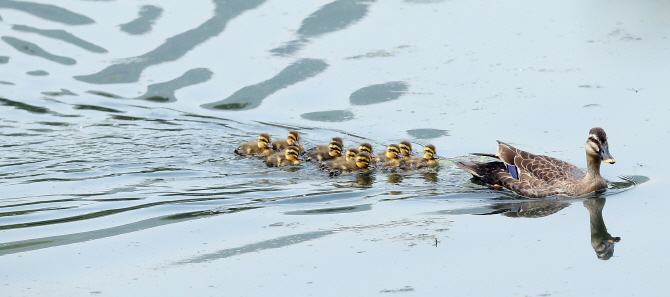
(118, 120)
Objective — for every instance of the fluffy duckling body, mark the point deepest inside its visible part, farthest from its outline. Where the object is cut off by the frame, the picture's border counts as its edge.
(323, 147)
(293, 139)
(391, 157)
(287, 157)
(405, 150)
(362, 161)
(349, 156)
(366, 147)
(428, 159)
(262, 147)
(334, 151)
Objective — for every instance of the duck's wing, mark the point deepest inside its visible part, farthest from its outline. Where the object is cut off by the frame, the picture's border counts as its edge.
(547, 169)
(497, 173)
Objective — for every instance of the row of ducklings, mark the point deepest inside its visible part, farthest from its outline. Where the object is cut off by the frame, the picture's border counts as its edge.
(287, 152)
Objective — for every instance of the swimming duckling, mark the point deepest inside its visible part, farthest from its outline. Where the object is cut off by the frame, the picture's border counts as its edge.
(334, 151)
(349, 156)
(366, 147)
(362, 162)
(391, 157)
(287, 157)
(262, 147)
(292, 140)
(405, 149)
(428, 159)
(323, 147)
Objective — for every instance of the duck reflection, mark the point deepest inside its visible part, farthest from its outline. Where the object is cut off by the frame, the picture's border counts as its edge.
(601, 241)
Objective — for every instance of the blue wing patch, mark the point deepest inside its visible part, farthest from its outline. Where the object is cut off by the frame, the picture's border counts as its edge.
(512, 170)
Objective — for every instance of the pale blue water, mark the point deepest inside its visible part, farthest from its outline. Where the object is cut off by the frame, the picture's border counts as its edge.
(118, 120)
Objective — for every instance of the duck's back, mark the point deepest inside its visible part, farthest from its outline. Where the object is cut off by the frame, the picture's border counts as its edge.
(547, 169)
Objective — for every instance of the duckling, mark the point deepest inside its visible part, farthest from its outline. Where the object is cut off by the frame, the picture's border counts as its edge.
(262, 147)
(362, 162)
(323, 147)
(428, 159)
(289, 156)
(366, 147)
(391, 157)
(405, 149)
(349, 156)
(292, 140)
(334, 151)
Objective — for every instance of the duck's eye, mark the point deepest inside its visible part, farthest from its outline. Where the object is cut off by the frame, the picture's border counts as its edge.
(393, 151)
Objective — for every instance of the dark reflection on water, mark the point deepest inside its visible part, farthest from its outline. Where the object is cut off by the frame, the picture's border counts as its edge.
(63, 36)
(333, 210)
(257, 247)
(48, 12)
(37, 73)
(329, 116)
(331, 17)
(601, 241)
(23, 106)
(32, 49)
(427, 133)
(147, 16)
(63, 92)
(173, 48)
(164, 92)
(4, 59)
(378, 93)
(251, 97)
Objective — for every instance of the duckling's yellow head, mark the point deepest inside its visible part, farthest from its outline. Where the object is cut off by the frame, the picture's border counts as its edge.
(292, 153)
(597, 146)
(335, 149)
(393, 151)
(405, 148)
(429, 151)
(362, 160)
(264, 141)
(365, 147)
(293, 138)
(351, 154)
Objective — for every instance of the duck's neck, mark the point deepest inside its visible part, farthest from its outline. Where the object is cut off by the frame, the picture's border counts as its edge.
(593, 167)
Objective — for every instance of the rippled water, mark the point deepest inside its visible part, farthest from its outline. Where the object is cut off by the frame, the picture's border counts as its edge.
(118, 122)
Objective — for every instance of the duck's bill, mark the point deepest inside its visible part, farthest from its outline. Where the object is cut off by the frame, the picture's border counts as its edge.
(269, 145)
(605, 154)
(297, 143)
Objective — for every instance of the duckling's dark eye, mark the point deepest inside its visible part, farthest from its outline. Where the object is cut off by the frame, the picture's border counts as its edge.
(293, 153)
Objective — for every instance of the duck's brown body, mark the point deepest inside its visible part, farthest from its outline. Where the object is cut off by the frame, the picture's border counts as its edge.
(293, 139)
(287, 157)
(334, 151)
(391, 158)
(262, 147)
(362, 161)
(428, 159)
(541, 176)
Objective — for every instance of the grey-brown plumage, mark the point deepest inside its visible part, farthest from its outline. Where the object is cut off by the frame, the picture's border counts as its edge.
(541, 176)
(293, 139)
(334, 151)
(391, 157)
(362, 161)
(262, 147)
(287, 157)
(323, 147)
(349, 156)
(428, 159)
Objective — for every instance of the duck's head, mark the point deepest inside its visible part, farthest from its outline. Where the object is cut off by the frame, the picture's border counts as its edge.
(405, 149)
(293, 138)
(337, 139)
(362, 160)
(292, 153)
(393, 151)
(429, 152)
(264, 141)
(597, 147)
(351, 154)
(365, 147)
(335, 149)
